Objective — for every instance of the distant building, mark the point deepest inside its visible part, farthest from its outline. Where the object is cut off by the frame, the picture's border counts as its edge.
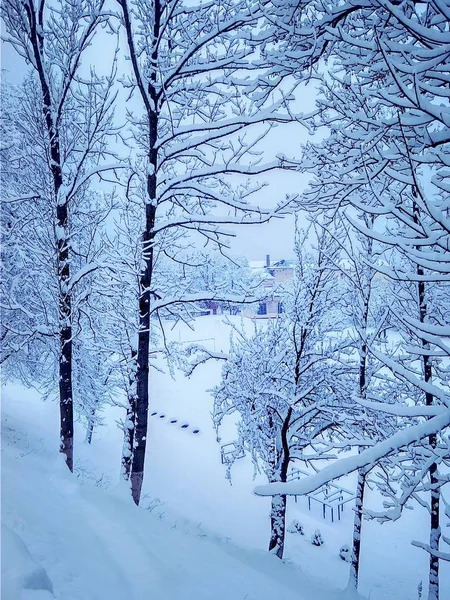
(271, 274)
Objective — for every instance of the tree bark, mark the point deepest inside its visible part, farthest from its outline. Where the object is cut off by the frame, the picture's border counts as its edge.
(128, 438)
(435, 529)
(278, 507)
(142, 369)
(65, 357)
(353, 579)
(357, 524)
(62, 214)
(277, 525)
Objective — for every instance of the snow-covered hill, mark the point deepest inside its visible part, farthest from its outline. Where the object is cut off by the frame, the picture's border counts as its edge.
(80, 542)
(195, 536)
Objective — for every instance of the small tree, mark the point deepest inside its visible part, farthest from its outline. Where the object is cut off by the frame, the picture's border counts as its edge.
(279, 379)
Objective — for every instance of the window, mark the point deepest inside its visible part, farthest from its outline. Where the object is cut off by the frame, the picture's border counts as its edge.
(262, 309)
(280, 308)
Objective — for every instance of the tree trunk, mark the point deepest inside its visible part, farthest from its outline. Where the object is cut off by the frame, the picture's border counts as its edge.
(130, 422)
(90, 427)
(128, 438)
(360, 486)
(65, 357)
(277, 525)
(36, 30)
(142, 367)
(435, 529)
(141, 407)
(353, 579)
(65, 308)
(357, 524)
(435, 535)
(278, 507)
(142, 370)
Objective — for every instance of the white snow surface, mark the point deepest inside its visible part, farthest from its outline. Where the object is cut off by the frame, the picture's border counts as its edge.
(194, 536)
(85, 543)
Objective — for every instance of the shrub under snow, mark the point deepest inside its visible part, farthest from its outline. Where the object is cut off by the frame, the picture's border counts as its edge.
(295, 527)
(345, 553)
(316, 538)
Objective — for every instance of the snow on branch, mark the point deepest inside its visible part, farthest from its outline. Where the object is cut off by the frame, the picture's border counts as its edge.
(202, 297)
(188, 358)
(85, 270)
(402, 372)
(366, 458)
(436, 553)
(400, 410)
(200, 220)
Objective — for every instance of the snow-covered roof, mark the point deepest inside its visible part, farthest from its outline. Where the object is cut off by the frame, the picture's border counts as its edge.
(257, 264)
(277, 264)
(283, 264)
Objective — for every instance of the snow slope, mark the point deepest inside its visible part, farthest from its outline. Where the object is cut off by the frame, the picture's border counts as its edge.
(200, 534)
(83, 543)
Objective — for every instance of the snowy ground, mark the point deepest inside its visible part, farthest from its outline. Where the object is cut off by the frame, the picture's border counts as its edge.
(199, 538)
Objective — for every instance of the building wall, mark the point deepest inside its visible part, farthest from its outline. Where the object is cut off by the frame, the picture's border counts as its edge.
(267, 309)
(282, 275)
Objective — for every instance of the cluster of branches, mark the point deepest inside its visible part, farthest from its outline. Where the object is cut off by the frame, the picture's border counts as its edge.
(298, 384)
(383, 165)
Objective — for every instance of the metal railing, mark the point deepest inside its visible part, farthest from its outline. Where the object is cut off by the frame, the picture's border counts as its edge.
(330, 496)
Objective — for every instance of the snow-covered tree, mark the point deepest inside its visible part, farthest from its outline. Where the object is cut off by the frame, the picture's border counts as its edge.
(227, 275)
(279, 380)
(411, 255)
(194, 274)
(62, 117)
(364, 306)
(195, 70)
(383, 102)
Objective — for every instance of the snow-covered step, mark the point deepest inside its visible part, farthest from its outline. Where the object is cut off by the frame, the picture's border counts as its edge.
(176, 422)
